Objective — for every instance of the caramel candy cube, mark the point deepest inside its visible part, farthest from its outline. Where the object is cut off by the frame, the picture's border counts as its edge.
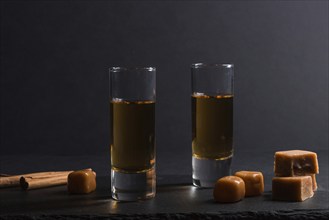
(295, 163)
(81, 182)
(254, 182)
(314, 184)
(294, 189)
(229, 189)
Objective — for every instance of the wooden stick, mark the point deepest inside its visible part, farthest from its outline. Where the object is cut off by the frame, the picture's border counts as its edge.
(11, 181)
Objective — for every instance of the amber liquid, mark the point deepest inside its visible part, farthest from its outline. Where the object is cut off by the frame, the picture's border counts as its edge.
(212, 126)
(133, 136)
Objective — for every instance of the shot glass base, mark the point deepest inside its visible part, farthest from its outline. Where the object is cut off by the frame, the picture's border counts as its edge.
(133, 186)
(207, 171)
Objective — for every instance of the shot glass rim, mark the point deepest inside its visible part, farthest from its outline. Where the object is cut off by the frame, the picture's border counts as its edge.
(121, 68)
(203, 65)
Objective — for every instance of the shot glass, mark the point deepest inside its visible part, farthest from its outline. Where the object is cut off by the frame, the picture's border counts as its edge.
(132, 116)
(212, 122)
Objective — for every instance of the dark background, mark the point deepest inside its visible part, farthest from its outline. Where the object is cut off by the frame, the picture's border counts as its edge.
(55, 57)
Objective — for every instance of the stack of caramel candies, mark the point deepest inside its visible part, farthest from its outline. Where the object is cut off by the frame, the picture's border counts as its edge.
(295, 172)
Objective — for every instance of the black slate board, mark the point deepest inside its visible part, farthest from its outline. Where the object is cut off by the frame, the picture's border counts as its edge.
(292, 214)
(176, 198)
(170, 198)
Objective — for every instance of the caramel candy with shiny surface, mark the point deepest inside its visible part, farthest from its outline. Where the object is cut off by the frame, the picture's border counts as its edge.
(81, 182)
(293, 189)
(254, 182)
(295, 163)
(229, 189)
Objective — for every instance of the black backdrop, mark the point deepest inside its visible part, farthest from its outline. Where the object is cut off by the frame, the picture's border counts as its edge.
(55, 57)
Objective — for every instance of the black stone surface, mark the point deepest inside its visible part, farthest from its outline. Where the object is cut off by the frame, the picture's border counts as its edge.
(292, 214)
(170, 198)
(175, 198)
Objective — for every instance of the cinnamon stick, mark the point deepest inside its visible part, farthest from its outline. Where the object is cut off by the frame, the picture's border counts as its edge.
(3, 175)
(37, 182)
(28, 183)
(11, 181)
